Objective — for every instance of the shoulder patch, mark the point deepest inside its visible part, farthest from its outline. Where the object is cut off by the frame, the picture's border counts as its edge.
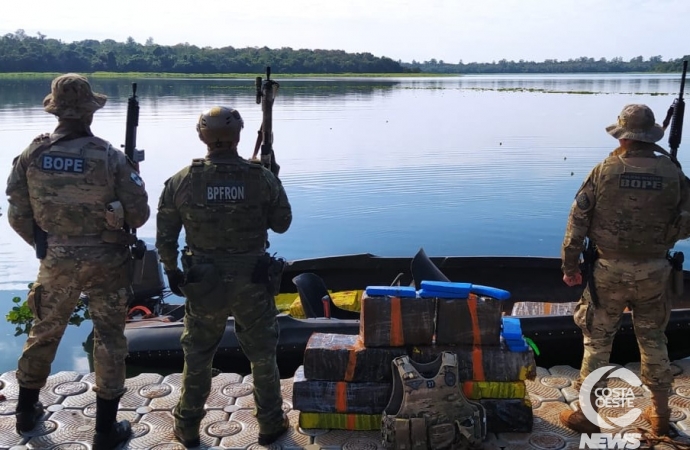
(40, 138)
(198, 162)
(583, 201)
(136, 179)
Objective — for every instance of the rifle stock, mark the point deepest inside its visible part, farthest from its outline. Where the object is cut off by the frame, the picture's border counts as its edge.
(265, 95)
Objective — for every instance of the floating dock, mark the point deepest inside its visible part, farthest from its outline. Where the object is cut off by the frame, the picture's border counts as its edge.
(229, 424)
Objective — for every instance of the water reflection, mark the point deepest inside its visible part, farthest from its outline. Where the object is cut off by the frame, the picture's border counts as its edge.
(29, 93)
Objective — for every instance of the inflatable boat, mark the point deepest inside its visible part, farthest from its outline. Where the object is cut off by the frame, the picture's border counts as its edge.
(538, 297)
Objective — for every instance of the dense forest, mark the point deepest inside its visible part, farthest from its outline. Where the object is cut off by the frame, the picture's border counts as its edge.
(579, 65)
(20, 52)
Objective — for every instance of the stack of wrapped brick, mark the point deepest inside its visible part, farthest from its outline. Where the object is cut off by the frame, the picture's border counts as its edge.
(346, 380)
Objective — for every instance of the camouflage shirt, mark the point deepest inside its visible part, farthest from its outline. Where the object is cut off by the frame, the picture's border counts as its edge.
(63, 182)
(225, 203)
(628, 204)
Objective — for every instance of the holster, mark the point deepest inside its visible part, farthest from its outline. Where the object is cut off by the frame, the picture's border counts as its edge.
(200, 281)
(677, 281)
(269, 272)
(590, 255)
(40, 241)
(186, 259)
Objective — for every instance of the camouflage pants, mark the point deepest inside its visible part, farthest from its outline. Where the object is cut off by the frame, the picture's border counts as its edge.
(66, 272)
(643, 287)
(210, 300)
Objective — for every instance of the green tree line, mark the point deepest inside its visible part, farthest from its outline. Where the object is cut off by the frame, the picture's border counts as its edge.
(20, 52)
(578, 65)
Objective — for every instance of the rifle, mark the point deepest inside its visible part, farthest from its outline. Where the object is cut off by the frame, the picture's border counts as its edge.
(589, 255)
(136, 156)
(674, 115)
(266, 91)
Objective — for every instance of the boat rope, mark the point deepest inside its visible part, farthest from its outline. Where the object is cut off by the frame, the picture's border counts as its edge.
(651, 440)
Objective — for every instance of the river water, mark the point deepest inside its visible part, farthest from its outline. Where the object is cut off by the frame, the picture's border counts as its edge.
(471, 165)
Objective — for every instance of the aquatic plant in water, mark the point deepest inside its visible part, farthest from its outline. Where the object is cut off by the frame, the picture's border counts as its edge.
(21, 315)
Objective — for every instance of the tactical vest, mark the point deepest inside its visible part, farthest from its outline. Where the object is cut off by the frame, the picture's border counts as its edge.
(227, 210)
(431, 413)
(635, 206)
(70, 185)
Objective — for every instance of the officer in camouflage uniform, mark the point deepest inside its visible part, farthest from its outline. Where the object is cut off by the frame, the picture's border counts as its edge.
(79, 190)
(633, 207)
(226, 204)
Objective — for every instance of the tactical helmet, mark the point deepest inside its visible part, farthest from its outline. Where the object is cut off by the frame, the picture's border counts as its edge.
(71, 97)
(219, 124)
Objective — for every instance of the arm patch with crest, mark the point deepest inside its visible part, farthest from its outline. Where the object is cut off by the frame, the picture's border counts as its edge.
(583, 201)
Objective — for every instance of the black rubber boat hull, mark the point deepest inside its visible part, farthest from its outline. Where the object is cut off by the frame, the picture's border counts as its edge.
(529, 279)
(160, 345)
(558, 339)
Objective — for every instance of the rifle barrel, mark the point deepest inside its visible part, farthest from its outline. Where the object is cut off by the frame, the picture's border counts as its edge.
(682, 79)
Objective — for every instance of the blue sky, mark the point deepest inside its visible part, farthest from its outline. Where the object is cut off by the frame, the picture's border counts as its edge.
(449, 30)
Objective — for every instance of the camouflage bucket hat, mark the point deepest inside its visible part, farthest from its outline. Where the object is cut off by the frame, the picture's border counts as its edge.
(636, 122)
(71, 97)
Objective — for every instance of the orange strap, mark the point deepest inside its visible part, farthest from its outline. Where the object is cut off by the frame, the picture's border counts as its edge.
(468, 389)
(472, 307)
(397, 338)
(477, 353)
(352, 359)
(341, 396)
(478, 364)
(351, 422)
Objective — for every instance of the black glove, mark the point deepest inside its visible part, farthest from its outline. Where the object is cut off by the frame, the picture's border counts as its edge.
(175, 279)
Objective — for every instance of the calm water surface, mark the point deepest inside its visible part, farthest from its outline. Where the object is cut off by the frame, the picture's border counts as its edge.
(474, 165)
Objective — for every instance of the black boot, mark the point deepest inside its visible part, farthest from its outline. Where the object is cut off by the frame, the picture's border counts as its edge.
(109, 434)
(270, 438)
(29, 409)
(188, 439)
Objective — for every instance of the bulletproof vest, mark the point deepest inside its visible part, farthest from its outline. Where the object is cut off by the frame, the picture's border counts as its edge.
(227, 208)
(431, 413)
(70, 185)
(635, 205)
